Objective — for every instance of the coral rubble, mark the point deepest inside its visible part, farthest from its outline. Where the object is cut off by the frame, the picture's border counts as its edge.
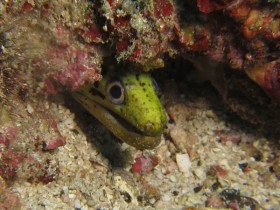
(48, 47)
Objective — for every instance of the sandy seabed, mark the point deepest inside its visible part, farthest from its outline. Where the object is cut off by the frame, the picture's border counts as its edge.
(206, 158)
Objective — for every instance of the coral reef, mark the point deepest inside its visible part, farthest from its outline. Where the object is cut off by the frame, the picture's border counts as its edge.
(232, 53)
(40, 46)
(139, 31)
(49, 47)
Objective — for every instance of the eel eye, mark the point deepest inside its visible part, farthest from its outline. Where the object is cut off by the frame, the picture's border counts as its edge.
(156, 87)
(115, 91)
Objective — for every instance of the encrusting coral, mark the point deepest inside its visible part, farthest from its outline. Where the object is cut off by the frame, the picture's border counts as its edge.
(49, 47)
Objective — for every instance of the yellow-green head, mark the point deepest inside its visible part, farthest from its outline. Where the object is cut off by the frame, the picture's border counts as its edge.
(127, 104)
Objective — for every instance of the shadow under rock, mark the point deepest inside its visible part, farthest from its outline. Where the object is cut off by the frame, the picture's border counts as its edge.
(245, 105)
(99, 136)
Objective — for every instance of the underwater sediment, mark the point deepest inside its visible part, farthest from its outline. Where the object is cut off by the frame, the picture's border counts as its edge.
(48, 143)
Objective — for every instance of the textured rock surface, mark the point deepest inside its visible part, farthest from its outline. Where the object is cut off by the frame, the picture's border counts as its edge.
(53, 155)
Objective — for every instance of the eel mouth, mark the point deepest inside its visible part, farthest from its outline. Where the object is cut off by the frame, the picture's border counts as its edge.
(134, 136)
(120, 127)
(124, 122)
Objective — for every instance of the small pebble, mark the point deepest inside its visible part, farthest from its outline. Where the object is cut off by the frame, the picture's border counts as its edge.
(183, 162)
(77, 204)
(173, 178)
(166, 198)
(71, 196)
(29, 109)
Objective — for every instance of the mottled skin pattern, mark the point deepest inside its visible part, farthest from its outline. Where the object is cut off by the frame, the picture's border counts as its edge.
(127, 104)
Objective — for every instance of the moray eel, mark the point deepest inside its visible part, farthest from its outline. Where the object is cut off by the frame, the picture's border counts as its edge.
(128, 105)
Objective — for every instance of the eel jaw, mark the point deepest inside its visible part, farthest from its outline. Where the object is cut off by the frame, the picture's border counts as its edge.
(116, 124)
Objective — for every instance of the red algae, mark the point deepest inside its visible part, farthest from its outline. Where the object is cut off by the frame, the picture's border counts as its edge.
(217, 171)
(144, 165)
(246, 42)
(267, 76)
(163, 8)
(59, 46)
(9, 164)
(8, 199)
(208, 6)
(140, 35)
(57, 60)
